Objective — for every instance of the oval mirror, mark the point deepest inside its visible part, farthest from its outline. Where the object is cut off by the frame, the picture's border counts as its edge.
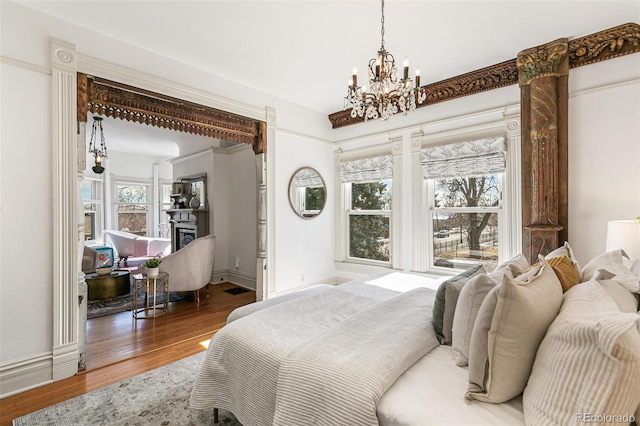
(307, 193)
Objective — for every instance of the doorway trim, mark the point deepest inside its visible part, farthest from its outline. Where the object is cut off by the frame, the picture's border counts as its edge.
(68, 171)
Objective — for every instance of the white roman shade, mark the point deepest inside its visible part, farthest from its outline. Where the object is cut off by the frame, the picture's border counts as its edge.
(307, 178)
(472, 158)
(367, 169)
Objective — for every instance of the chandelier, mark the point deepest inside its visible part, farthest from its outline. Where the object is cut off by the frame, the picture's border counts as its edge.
(387, 95)
(101, 151)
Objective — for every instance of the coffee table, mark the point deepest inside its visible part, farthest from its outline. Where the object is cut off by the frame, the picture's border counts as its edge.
(115, 284)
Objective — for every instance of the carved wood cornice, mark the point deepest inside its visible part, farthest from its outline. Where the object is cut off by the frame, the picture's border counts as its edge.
(105, 97)
(617, 41)
(607, 44)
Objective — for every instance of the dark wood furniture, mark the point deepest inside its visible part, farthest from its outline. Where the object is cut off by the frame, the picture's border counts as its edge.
(115, 284)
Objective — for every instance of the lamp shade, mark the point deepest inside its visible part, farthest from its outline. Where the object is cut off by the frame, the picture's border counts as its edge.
(624, 234)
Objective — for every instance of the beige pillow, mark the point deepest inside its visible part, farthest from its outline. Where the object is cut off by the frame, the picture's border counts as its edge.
(588, 363)
(566, 250)
(517, 265)
(467, 308)
(524, 309)
(612, 262)
(624, 299)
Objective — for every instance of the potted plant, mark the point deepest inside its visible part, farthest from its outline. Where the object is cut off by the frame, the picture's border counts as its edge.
(153, 266)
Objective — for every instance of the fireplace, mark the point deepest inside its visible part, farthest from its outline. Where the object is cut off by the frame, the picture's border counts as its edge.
(187, 225)
(184, 235)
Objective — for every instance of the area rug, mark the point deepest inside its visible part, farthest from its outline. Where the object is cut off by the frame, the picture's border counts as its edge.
(157, 397)
(115, 305)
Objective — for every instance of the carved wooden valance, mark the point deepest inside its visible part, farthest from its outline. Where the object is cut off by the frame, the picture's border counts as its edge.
(607, 44)
(103, 97)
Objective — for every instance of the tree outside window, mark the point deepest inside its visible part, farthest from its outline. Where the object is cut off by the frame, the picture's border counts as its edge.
(369, 216)
(465, 221)
(132, 208)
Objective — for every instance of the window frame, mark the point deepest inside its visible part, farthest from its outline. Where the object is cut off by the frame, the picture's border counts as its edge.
(97, 201)
(149, 203)
(510, 223)
(429, 191)
(353, 212)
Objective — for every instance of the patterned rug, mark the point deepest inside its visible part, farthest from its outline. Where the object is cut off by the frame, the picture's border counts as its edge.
(157, 397)
(115, 305)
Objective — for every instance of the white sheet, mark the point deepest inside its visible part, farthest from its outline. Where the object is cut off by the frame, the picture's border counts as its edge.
(431, 392)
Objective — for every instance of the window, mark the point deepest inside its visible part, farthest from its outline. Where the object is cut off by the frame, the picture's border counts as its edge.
(465, 218)
(369, 217)
(462, 185)
(367, 186)
(132, 207)
(91, 193)
(165, 203)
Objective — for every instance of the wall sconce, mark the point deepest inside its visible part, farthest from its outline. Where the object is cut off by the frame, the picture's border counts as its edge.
(101, 151)
(625, 235)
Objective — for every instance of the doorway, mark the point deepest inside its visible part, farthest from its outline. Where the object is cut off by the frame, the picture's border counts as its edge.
(112, 99)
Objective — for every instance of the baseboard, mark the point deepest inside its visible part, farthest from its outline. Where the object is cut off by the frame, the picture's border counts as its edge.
(241, 279)
(24, 374)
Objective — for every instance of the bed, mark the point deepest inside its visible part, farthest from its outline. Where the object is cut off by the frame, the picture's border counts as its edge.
(245, 373)
(367, 353)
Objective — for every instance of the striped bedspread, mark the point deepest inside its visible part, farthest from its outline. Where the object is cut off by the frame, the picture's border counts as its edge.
(324, 358)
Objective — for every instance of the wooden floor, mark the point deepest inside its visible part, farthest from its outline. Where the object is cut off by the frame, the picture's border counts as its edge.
(119, 347)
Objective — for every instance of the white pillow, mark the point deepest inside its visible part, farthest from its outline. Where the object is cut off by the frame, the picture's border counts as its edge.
(588, 363)
(612, 261)
(517, 265)
(625, 300)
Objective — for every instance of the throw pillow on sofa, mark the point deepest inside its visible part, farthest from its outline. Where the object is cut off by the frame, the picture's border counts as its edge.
(587, 364)
(446, 298)
(524, 309)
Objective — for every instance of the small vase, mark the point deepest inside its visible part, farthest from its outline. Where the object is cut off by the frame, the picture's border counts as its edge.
(195, 202)
(153, 272)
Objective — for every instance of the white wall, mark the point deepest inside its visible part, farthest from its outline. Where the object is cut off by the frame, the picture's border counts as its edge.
(26, 226)
(304, 247)
(241, 214)
(604, 151)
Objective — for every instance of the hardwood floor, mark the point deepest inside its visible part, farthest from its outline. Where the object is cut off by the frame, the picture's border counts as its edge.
(119, 347)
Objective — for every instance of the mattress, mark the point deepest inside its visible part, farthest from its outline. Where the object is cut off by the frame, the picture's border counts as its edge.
(431, 392)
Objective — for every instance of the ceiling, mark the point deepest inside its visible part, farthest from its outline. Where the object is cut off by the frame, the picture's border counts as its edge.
(304, 51)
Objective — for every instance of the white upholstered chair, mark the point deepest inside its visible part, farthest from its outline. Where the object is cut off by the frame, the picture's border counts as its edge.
(190, 267)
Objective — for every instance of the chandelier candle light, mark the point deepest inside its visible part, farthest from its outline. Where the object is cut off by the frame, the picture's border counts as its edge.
(101, 151)
(387, 94)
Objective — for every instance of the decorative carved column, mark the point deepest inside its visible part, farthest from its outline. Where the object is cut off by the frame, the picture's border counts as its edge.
(543, 76)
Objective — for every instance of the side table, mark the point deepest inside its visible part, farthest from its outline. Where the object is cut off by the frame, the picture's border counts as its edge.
(152, 286)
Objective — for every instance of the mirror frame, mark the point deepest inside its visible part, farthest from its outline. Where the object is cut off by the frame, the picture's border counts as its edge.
(324, 202)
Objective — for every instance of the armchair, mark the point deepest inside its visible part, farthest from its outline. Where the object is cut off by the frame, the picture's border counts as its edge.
(190, 267)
